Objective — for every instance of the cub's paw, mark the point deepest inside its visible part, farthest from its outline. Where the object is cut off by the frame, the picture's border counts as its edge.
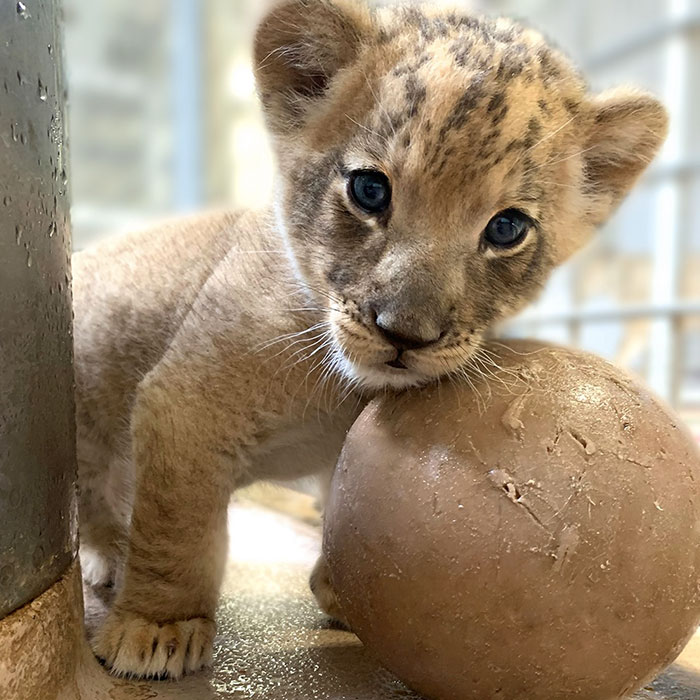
(98, 570)
(320, 584)
(134, 647)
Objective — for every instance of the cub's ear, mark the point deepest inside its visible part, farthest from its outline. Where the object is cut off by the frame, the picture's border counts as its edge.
(626, 130)
(299, 47)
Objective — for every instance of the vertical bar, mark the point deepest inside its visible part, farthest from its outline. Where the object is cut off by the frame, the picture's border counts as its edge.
(667, 231)
(37, 427)
(186, 52)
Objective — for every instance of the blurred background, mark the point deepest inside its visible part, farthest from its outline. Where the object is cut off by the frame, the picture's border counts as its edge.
(163, 119)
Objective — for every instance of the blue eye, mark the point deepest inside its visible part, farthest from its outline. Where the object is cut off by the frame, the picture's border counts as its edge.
(507, 228)
(370, 190)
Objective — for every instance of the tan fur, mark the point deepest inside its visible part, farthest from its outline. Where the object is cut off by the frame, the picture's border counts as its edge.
(224, 349)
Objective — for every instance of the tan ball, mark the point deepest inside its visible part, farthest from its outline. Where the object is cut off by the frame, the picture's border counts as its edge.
(537, 540)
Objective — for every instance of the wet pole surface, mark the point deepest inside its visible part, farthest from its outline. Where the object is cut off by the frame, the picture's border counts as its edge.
(274, 644)
(37, 459)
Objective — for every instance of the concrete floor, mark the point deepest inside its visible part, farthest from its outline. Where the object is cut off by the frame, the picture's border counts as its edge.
(272, 640)
(273, 643)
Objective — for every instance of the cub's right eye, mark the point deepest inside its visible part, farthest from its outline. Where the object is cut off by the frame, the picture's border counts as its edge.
(370, 190)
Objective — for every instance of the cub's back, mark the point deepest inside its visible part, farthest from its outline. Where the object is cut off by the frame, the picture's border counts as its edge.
(131, 294)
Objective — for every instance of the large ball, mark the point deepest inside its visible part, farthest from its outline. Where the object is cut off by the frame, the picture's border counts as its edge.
(535, 537)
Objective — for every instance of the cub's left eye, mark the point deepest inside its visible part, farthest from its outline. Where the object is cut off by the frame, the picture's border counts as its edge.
(370, 190)
(507, 228)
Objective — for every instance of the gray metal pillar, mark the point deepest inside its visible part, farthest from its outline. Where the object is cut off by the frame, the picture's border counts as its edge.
(37, 436)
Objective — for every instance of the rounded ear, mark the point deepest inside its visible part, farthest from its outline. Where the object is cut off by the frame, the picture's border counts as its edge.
(299, 46)
(627, 128)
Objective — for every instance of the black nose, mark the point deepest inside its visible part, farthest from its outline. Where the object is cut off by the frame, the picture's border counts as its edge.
(406, 336)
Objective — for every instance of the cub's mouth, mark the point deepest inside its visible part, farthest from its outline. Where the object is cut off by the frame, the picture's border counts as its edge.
(394, 374)
(398, 363)
(370, 361)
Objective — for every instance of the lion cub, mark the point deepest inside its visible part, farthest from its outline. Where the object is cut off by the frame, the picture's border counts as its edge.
(434, 168)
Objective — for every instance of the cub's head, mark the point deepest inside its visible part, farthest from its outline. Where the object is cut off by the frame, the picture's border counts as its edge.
(435, 167)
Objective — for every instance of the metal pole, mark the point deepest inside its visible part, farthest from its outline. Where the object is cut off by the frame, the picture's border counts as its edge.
(37, 435)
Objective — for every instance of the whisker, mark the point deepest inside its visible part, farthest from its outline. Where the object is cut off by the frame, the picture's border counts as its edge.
(559, 160)
(491, 357)
(307, 308)
(463, 373)
(323, 292)
(379, 104)
(313, 388)
(517, 352)
(259, 252)
(265, 344)
(558, 184)
(552, 134)
(310, 348)
(452, 381)
(486, 364)
(382, 138)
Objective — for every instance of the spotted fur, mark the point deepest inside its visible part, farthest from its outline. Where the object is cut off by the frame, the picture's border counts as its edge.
(467, 116)
(216, 351)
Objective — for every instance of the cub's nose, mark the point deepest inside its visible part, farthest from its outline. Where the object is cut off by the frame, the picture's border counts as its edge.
(407, 335)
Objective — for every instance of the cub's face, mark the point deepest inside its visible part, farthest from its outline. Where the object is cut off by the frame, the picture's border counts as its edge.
(435, 168)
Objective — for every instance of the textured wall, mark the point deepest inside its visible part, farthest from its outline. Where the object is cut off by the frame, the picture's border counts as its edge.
(37, 458)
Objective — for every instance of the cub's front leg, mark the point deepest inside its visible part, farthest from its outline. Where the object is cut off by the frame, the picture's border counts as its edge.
(162, 622)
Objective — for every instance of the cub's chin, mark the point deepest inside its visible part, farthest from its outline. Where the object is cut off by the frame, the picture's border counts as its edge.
(378, 375)
(384, 376)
